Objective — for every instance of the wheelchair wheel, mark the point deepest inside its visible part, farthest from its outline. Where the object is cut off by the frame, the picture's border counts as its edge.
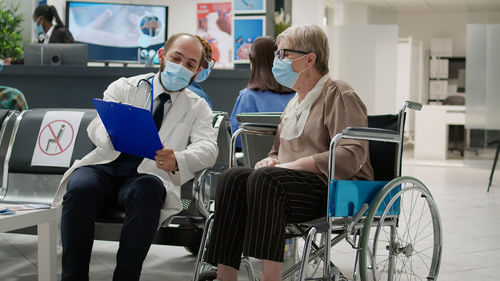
(401, 238)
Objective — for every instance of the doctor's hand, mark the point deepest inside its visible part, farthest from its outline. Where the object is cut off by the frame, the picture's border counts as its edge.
(266, 162)
(165, 160)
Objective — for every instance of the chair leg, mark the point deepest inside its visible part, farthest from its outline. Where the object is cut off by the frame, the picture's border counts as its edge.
(494, 165)
(201, 251)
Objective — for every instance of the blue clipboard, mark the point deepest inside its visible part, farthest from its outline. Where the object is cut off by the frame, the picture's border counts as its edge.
(131, 129)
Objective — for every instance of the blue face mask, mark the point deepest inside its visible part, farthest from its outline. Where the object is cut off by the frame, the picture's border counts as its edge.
(283, 72)
(38, 28)
(175, 76)
(203, 75)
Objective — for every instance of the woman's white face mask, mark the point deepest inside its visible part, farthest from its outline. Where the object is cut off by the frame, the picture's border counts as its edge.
(38, 26)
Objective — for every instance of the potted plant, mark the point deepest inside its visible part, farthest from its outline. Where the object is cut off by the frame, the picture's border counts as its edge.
(11, 45)
(281, 22)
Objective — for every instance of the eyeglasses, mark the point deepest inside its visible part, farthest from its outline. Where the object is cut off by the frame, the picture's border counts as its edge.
(280, 54)
(211, 62)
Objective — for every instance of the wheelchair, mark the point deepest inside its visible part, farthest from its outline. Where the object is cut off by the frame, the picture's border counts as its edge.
(392, 223)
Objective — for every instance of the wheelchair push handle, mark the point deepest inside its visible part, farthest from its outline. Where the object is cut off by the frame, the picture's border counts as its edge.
(412, 105)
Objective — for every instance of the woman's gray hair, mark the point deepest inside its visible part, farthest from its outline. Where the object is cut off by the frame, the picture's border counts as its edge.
(308, 38)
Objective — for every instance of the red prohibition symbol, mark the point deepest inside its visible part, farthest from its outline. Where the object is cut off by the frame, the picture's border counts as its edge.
(55, 137)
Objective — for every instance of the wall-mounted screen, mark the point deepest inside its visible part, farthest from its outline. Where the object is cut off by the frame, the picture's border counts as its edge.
(117, 32)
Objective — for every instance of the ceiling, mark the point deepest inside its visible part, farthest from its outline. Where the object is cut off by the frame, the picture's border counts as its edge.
(428, 5)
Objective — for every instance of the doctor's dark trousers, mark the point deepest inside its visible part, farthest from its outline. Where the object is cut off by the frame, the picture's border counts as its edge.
(252, 208)
(92, 189)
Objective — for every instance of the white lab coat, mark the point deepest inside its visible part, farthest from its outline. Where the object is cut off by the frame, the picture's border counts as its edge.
(186, 128)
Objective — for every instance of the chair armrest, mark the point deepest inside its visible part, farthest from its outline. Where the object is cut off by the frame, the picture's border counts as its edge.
(198, 192)
(260, 127)
(265, 129)
(375, 134)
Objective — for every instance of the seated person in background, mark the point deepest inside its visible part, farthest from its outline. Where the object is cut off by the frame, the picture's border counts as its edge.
(207, 63)
(147, 190)
(11, 98)
(263, 93)
(253, 205)
(46, 31)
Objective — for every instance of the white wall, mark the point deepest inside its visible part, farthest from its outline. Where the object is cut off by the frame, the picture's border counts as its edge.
(26, 7)
(308, 12)
(364, 58)
(425, 26)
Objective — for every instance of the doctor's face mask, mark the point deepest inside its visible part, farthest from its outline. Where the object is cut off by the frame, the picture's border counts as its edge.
(181, 61)
(175, 77)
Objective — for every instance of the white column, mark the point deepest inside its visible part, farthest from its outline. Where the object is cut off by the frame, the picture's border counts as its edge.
(308, 12)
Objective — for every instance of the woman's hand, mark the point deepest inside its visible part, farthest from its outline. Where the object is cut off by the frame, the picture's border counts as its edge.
(266, 162)
(165, 160)
(302, 164)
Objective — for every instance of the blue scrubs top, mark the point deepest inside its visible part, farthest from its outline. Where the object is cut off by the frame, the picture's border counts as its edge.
(256, 101)
(197, 89)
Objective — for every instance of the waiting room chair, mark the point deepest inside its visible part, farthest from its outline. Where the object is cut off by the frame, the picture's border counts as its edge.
(255, 145)
(26, 183)
(7, 121)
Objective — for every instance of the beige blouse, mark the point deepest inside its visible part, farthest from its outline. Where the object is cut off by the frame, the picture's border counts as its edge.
(336, 108)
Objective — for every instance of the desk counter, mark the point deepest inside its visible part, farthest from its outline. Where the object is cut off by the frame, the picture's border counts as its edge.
(431, 129)
(74, 86)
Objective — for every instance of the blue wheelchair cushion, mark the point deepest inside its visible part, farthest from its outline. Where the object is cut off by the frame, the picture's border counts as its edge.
(347, 197)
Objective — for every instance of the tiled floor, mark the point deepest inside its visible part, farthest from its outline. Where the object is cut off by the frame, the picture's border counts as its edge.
(470, 220)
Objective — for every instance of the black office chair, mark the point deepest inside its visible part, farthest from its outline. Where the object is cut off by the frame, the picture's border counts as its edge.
(492, 141)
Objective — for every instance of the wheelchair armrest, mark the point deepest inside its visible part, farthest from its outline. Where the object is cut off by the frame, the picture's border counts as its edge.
(375, 134)
(260, 127)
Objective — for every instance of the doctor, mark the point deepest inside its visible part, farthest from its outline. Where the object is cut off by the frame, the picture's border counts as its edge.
(148, 191)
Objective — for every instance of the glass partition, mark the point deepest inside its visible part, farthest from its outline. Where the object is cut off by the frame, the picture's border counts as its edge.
(482, 88)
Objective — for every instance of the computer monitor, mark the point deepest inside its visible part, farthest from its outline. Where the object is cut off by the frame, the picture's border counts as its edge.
(55, 54)
(117, 32)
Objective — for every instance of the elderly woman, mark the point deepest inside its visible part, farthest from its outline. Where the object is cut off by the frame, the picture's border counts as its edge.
(290, 186)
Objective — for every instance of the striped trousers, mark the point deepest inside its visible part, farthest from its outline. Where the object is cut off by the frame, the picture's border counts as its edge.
(252, 208)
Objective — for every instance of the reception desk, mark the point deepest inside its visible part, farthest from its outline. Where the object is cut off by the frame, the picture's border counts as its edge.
(74, 86)
(431, 129)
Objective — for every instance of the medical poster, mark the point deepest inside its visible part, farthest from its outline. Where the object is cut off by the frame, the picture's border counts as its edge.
(250, 6)
(56, 138)
(246, 30)
(215, 23)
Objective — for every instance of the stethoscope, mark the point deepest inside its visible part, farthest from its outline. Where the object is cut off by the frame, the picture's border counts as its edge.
(151, 85)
